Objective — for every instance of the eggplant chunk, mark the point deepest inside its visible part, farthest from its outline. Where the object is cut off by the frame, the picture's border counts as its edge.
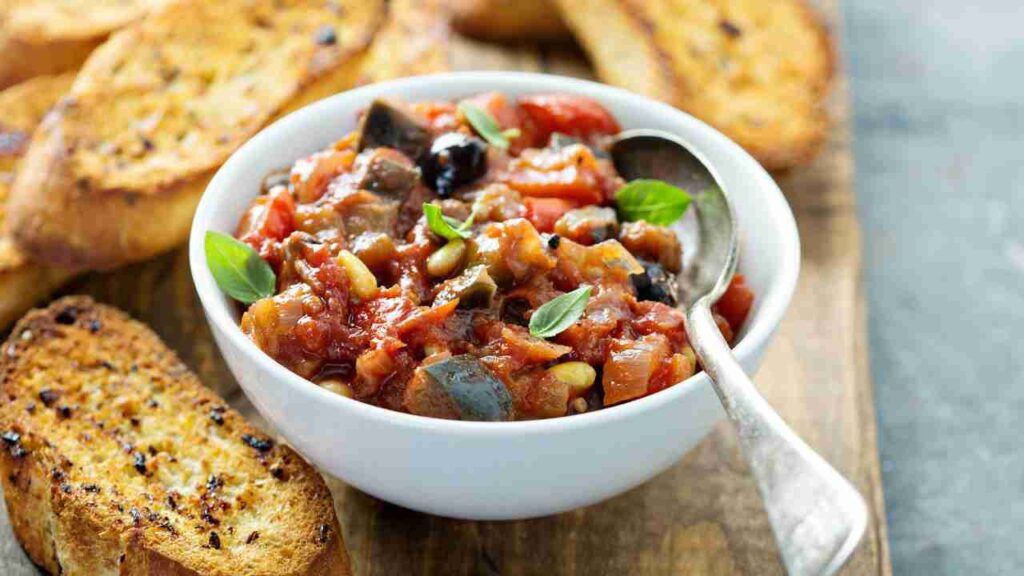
(389, 174)
(590, 225)
(654, 283)
(559, 141)
(474, 288)
(475, 391)
(387, 125)
(655, 243)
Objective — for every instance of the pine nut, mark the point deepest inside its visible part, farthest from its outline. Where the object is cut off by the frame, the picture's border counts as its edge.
(447, 258)
(579, 376)
(361, 281)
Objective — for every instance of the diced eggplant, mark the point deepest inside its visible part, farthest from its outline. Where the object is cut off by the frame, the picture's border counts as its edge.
(514, 311)
(389, 174)
(476, 392)
(454, 160)
(652, 242)
(590, 225)
(474, 288)
(387, 125)
(375, 249)
(275, 179)
(497, 203)
(559, 141)
(655, 284)
(364, 211)
(512, 251)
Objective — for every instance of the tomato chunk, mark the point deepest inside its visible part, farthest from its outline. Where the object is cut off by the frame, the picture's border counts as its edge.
(573, 115)
(270, 219)
(572, 173)
(735, 304)
(544, 212)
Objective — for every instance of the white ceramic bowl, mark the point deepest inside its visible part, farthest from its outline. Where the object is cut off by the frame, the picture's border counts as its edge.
(485, 470)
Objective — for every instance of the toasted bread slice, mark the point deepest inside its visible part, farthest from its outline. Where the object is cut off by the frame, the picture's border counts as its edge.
(22, 282)
(46, 37)
(115, 459)
(758, 71)
(114, 174)
(413, 41)
(510, 20)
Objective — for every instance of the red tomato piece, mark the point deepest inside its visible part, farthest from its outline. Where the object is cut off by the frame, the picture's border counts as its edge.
(571, 173)
(735, 304)
(544, 212)
(439, 116)
(573, 115)
(270, 219)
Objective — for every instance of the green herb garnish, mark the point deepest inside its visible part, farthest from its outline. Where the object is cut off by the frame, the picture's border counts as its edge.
(445, 226)
(654, 201)
(559, 313)
(238, 269)
(486, 126)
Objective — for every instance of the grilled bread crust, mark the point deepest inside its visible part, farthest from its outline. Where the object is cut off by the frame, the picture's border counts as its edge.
(414, 40)
(758, 71)
(47, 37)
(509, 20)
(114, 174)
(115, 459)
(22, 282)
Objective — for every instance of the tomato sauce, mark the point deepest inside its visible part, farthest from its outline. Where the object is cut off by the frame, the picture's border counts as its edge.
(374, 303)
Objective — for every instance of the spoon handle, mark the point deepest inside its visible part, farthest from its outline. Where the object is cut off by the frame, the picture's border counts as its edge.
(816, 515)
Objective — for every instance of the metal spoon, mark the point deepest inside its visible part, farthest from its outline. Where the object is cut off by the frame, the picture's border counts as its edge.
(816, 515)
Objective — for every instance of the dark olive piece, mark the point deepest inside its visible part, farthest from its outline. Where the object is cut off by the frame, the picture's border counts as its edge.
(454, 160)
(655, 284)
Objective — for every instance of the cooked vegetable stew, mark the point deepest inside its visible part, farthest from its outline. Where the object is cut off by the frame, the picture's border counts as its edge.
(470, 260)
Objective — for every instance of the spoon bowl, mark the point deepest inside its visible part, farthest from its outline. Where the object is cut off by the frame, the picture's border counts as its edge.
(663, 156)
(816, 515)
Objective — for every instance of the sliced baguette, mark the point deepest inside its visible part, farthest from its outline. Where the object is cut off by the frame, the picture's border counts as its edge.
(413, 41)
(46, 37)
(509, 20)
(758, 71)
(114, 175)
(115, 459)
(23, 283)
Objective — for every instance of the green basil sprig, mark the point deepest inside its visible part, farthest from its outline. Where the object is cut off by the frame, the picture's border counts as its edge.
(445, 226)
(238, 269)
(655, 201)
(559, 313)
(486, 126)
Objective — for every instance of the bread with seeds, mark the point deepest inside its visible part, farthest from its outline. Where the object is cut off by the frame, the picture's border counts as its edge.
(114, 174)
(23, 282)
(115, 459)
(47, 37)
(758, 71)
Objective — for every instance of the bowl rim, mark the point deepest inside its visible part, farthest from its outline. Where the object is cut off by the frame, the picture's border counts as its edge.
(762, 325)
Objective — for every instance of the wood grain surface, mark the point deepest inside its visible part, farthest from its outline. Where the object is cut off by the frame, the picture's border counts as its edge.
(701, 517)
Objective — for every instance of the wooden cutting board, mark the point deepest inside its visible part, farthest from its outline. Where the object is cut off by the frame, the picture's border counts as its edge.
(703, 516)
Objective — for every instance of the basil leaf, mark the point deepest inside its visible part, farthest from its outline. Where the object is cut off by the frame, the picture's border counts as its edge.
(445, 226)
(486, 126)
(655, 201)
(559, 313)
(238, 269)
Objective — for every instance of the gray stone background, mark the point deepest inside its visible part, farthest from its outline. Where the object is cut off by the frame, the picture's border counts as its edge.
(939, 107)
